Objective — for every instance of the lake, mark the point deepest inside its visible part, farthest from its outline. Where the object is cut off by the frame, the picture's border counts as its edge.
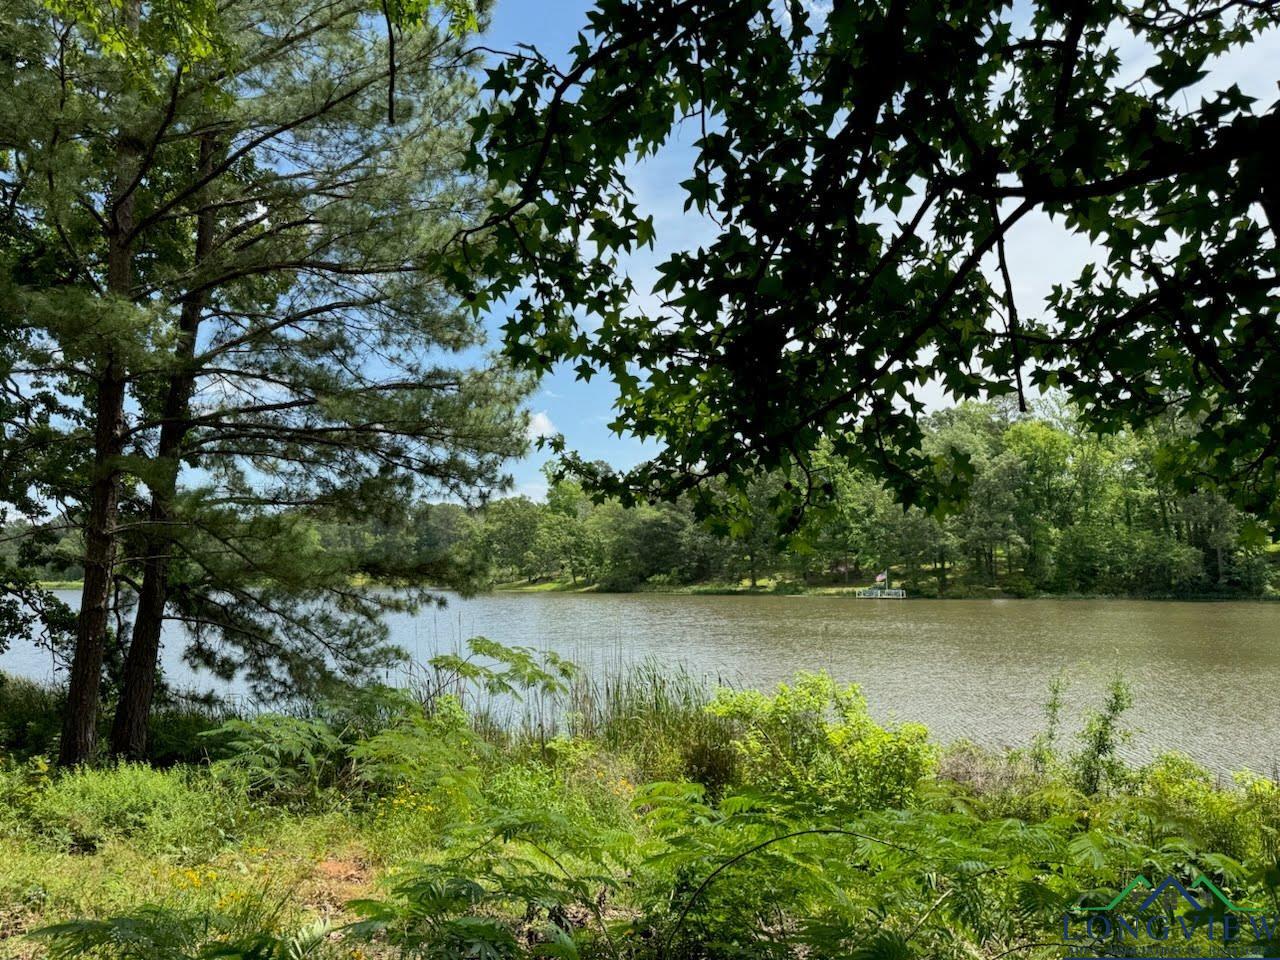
(1204, 675)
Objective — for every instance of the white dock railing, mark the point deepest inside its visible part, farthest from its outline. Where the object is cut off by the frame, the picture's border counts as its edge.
(880, 593)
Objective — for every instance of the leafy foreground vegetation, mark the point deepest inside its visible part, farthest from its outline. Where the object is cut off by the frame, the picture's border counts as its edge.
(655, 819)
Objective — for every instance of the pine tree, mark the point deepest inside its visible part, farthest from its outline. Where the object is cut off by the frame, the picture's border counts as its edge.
(286, 343)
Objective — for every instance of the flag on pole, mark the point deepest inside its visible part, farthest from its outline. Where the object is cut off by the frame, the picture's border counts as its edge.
(882, 577)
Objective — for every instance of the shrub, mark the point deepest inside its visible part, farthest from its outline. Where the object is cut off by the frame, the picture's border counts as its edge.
(178, 812)
(289, 759)
(446, 913)
(30, 716)
(177, 733)
(1096, 763)
(31, 723)
(522, 879)
(1181, 797)
(1018, 585)
(571, 777)
(817, 738)
(253, 928)
(20, 785)
(437, 753)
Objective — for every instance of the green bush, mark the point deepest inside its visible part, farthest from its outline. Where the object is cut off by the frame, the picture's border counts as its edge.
(287, 759)
(180, 812)
(30, 717)
(1018, 585)
(250, 929)
(832, 835)
(31, 723)
(1186, 800)
(1097, 763)
(436, 752)
(817, 738)
(20, 784)
(177, 733)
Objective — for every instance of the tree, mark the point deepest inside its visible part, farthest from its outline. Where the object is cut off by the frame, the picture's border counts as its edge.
(841, 533)
(74, 271)
(754, 527)
(646, 543)
(864, 170)
(509, 535)
(564, 527)
(443, 531)
(1042, 501)
(1053, 508)
(282, 330)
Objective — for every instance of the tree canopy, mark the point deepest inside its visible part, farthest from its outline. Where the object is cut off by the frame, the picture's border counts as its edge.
(865, 170)
(1052, 509)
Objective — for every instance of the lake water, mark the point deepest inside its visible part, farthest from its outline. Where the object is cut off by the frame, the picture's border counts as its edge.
(1204, 675)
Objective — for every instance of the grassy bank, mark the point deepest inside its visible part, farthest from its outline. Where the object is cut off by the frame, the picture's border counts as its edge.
(638, 815)
(795, 588)
(765, 586)
(768, 586)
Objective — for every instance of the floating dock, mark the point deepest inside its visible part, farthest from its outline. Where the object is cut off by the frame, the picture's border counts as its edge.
(880, 593)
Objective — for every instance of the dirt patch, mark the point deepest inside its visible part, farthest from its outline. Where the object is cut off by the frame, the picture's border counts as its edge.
(334, 881)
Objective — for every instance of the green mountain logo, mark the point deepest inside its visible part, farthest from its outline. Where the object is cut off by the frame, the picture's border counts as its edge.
(1203, 881)
(1172, 883)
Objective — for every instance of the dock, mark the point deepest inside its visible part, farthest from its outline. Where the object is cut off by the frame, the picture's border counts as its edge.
(880, 593)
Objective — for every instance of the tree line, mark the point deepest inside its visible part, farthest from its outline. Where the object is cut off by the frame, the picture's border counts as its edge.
(1052, 508)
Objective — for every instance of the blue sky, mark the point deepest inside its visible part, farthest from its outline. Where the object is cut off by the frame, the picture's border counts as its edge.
(1041, 253)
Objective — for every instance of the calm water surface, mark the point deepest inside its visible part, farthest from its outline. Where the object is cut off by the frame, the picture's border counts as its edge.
(1204, 675)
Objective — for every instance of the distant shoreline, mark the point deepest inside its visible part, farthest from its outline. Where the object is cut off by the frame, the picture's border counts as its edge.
(787, 589)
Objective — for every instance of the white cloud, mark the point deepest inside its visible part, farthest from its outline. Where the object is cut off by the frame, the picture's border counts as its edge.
(534, 490)
(540, 425)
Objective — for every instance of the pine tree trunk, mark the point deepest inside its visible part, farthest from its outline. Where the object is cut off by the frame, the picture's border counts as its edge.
(80, 721)
(129, 730)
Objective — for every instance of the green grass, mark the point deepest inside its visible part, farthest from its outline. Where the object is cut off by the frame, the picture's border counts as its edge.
(639, 813)
(546, 586)
(765, 585)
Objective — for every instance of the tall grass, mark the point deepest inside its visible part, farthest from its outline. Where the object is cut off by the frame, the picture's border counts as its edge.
(29, 716)
(653, 712)
(31, 721)
(628, 704)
